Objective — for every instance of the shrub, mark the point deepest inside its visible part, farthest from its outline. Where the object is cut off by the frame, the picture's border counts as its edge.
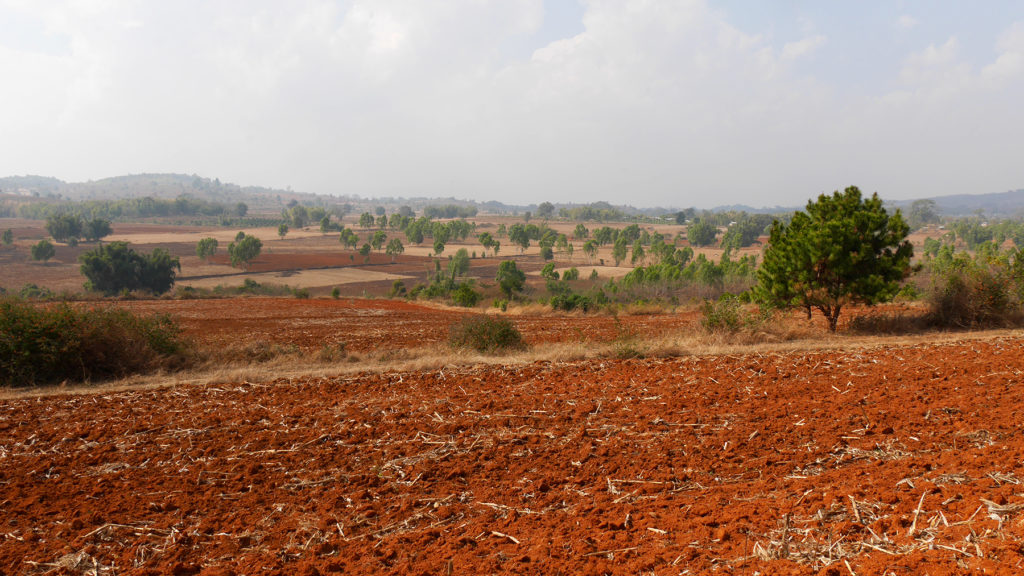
(967, 293)
(301, 293)
(486, 334)
(727, 315)
(34, 292)
(465, 296)
(571, 301)
(43, 250)
(335, 292)
(571, 274)
(53, 343)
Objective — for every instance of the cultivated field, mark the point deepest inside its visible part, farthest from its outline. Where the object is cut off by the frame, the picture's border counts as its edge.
(890, 459)
(344, 436)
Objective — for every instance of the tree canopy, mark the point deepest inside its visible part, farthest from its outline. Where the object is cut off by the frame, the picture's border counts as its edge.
(97, 229)
(115, 267)
(43, 250)
(244, 250)
(206, 248)
(842, 249)
(510, 278)
(701, 233)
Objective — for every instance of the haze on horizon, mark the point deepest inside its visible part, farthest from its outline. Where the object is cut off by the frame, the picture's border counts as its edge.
(645, 102)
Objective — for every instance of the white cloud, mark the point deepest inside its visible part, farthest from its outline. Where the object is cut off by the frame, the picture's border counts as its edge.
(655, 102)
(906, 22)
(802, 47)
(1010, 62)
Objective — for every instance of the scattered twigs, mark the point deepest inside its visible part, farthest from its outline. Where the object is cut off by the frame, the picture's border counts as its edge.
(913, 525)
(511, 539)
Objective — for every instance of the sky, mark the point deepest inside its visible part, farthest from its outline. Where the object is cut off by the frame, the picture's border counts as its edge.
(645, 102)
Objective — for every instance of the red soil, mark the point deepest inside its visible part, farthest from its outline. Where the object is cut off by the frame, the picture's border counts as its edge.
(373, 325)
(900, 460)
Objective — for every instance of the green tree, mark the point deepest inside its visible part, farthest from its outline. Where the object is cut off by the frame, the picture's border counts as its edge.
(43, 251)
(206, 248)
(510, 278)
(242, 252)
(638, 254)
(741, 234)
(378, 239)
(364, 251)
(241, 209)
(115, 267)
(701, 233)
(545, 210)
(64, 228)
(366, 220)
(299, 216)
(923, 212)
(282, 230)
(394, 248)
(8, 237)
(348, 238)
(619, 249)
(459, 264)
(96, 229)
(580, 232)
(486, 240)
(590, 249)
(842, 249)
(518, 235)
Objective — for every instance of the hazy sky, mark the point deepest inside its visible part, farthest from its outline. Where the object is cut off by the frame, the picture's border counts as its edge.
(646, 102)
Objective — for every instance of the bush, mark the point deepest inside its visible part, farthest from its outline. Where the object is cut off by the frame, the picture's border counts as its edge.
(53, 343)
(33, 292)
(571, 301)
(465, 296)
(727, 315)
(486, 334)
(969, 294)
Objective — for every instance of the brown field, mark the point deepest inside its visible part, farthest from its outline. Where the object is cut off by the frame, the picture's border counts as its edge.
(789, 452)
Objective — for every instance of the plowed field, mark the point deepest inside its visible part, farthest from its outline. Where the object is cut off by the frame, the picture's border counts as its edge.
(375, 325)
(899, 460)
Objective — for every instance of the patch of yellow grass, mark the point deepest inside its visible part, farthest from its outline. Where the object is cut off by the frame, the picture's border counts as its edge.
(289, 364)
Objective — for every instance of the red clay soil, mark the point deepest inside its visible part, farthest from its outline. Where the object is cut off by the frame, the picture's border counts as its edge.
(373, 325)
(899, 461)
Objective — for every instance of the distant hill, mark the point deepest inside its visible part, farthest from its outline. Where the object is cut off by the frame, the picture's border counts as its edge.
(261, 199)
(996, 205)
(166, 186)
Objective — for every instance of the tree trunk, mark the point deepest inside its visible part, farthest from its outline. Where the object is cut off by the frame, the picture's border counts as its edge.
(833, 319)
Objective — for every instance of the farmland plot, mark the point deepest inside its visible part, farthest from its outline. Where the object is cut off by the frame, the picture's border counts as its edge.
(899, 460)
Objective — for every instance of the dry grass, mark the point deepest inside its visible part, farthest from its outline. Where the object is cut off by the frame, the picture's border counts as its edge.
(234, 365)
